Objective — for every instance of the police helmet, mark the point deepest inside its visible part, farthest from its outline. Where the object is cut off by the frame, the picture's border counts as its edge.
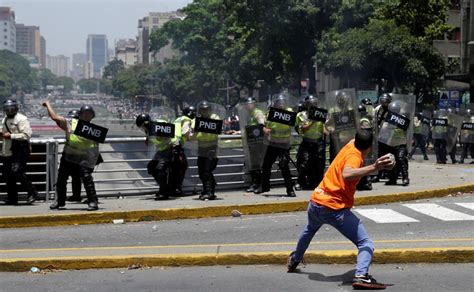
(280, 101)
(204, 108)
(142, 119)
(395, 107)
(311, 101)
(10, 107)
(250, 100)
(366, 101)
(73, 114)
(190, 112)
(87, 108)
(342, 99)
(385, 99)
(301, 107)
(361, 108)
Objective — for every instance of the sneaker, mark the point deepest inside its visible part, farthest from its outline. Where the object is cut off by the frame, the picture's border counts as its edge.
(366, 282)
(291, 264)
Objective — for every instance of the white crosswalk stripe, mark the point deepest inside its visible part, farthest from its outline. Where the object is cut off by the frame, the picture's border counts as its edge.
(439, 212)
(385, 216)
(466, 205)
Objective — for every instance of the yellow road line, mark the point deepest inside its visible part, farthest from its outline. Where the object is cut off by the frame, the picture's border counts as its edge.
(232, 245)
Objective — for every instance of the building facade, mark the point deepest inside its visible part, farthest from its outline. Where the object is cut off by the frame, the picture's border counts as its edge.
(97, 53)
(77, 67)
(58, 65)
(7, 29)
(146, 26)
(29, 43)
(126, 51)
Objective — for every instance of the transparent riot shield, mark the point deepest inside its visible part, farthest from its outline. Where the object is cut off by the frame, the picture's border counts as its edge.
(207, 126)
(161, 133)
(252, 121)
(280, 121)
(82, 146)
(467, 129)
(440, 125)
(397, 129)
(454, 128)
(343, 117)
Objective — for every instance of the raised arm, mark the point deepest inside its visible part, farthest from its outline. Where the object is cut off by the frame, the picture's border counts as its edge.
(61, 121)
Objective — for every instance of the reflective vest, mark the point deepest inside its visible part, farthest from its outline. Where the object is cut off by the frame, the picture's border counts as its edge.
(314, 132)
(206, 140)
(77, 143)
(255, 114)
(178, 124)
(365, 123)
(417, 126)
(163, 143)
(279, 133)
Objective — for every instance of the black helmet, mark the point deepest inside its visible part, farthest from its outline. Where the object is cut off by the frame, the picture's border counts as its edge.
(204, 108)
(311, 101)
(362, 109)
(342, 99)
(190, 112)
(301, 106)
(385, 99)
(142, 119)
(366, 101)
(250, 100)
(395, 107)
(10, 107)
(87, 108)
(73, 114)
(280, 101)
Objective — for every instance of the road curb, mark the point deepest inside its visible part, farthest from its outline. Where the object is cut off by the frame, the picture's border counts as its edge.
(208, 212)
(384, 256)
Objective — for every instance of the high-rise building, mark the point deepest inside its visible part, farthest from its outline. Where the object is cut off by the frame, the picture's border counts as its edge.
(97, 52)
(7, 29)
(28, 42)
(89, 70)
(146, 26)
(126, 51)
(78, 62)
(42, 58)
(59, 65)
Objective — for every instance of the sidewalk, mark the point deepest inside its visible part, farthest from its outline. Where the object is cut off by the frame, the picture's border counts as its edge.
(426, 180)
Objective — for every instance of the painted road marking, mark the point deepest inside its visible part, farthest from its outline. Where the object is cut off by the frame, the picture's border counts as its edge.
(385, 216)
(466, 205)
(439, 212)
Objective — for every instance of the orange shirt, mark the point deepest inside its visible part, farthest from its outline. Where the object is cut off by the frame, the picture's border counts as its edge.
(333, 191)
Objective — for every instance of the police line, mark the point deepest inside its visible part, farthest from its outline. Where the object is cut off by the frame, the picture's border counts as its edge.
(113, 178)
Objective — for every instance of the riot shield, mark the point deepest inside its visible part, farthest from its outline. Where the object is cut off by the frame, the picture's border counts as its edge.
(454, 126)
(467, 128)
(252, 121)
(82, 146)
(160, 131)
(439, 125)
(343, 117)
(397, 128)
(280, 121)
(207, 126)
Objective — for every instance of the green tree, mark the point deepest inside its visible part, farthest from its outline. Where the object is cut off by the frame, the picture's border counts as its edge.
(15, 73)
(88, 85)
(113, 68)
(67, 82)
(382, 50)
(424, 18)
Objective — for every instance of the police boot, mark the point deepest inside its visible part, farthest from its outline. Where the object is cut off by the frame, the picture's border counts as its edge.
(290, 192)
(92, 205)
(32, 196)
(254, 185)
(55, 205)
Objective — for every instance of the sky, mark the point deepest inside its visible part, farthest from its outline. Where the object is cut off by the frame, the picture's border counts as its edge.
(65, 24)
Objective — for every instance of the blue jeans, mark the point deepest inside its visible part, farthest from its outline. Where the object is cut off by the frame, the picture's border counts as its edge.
(347, 224)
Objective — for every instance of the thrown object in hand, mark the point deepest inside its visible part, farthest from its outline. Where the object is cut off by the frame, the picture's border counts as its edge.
(392, 160)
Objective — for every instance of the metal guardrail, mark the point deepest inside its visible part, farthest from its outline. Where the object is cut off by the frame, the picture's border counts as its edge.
(126, 175)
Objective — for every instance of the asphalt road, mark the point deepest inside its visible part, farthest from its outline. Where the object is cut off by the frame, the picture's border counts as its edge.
(444, 222)
(446, 277)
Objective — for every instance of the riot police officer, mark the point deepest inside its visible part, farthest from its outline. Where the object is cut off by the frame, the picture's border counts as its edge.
(16, 133)
(207, 153)
(311, 156)
(467, 136)
(183, 126)
(380, 113)
(75, 177)
(419, 138)
(278, 148)
(79, 157)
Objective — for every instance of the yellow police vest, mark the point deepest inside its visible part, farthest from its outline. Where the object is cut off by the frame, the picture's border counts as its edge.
(78, 143)
(163, 143)
(206, 140)
(280, 133)
(314, 132)
(178, 123)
